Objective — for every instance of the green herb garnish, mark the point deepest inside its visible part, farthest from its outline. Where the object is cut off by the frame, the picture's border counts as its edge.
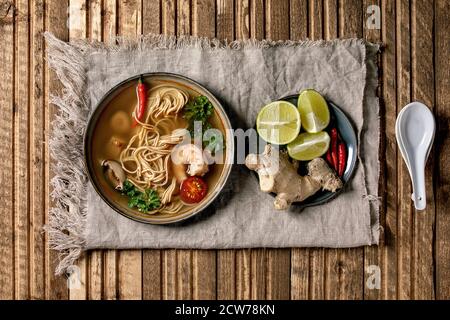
(143, 201)
(198, 110)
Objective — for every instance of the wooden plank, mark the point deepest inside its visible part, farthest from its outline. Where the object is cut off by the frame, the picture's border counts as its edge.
(151, 259)
(184, 274)
(110, 279)
(278, 260)
(250, 264)
(151, 275)
(37, 154)
(442, 174)
(77, 19)
(243, 278)
(21, 159)
(257, 19)
(350, 17)
(95, 20)
(95, 257)
(204, 262)
(300, 274)
(169, 275)
(168, 16)
(316, 19)
(317, 273)
(95, 274)
(299, 19)
(226, 274)
(204, 274)
(109, 283)
(170, 264)
(129, 261)
(345, 276)
(258, 274)
(423, 90)
(183, 17)
(225, 20)
(277, 22)
(151, 17)
(203, 18)
(315, 257)
(404, 211)
(130, 275)
(372, 254)
(55, 22)
(330, 19)
(278, 274)
(242, 17)
(109, 23)
(129, 18)
(345, 267)
(390, 239)
(7, 284)
(78, 30)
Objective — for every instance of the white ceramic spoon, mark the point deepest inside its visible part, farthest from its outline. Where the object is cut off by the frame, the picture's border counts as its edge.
(414, 129)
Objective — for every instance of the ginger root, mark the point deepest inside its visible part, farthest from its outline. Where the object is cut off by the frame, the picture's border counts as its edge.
(278, 175)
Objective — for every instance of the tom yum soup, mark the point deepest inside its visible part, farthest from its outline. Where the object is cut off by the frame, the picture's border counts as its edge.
(155, 148)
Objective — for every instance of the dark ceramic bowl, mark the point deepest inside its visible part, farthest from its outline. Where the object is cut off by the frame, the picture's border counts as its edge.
(339, 120)
(106, 192)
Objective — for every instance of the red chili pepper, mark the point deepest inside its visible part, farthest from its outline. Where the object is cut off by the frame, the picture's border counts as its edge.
(342, 155)
(141, 91)
(334, 148)
(329, 158)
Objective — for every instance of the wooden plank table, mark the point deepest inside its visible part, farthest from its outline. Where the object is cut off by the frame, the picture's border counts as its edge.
(413, 258)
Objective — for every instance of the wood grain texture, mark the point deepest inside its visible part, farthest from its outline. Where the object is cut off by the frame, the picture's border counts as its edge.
(442, 172)
(389, 266)
(414, 254)
(57, 23)
(129, 264)
(345, 267)
(422, 89)
(78, 30)
(7, 285)
(226, 274)
(203, 23)
(299, 19)
(372, 254)
(37, 151)
(95, 257)
(405, 217)
(109, 283)
(278, 265)
(151, 259)
(21, 155)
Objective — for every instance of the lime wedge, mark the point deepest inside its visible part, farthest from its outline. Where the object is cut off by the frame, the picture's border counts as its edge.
(278, 122)
(313, 110)
(308, 146)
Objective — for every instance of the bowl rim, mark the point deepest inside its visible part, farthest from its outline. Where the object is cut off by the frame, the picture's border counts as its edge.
(100, 107)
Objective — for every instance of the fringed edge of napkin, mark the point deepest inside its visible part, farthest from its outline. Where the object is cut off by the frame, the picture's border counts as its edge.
(67, 218)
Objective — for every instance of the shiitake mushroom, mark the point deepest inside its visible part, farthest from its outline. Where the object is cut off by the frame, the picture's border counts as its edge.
(114, 173)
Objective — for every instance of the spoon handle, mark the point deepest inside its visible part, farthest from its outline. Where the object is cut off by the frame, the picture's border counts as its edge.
(418, 181)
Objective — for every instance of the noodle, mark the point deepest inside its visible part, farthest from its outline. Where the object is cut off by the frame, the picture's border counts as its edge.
(145, 159)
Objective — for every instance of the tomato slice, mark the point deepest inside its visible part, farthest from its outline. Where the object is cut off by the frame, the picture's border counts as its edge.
(193, 190)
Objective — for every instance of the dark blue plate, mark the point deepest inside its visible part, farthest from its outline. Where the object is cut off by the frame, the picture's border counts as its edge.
(339, 120)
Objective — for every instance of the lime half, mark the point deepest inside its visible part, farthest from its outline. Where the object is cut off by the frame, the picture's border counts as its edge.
(278, 122)
(308, 146)
(313, 110)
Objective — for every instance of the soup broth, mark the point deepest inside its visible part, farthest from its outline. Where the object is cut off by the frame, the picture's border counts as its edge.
(112, 133)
